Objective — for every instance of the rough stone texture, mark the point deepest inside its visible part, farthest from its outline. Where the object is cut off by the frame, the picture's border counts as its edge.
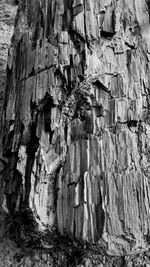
(8, 10)
(7, 14)
(76, 120)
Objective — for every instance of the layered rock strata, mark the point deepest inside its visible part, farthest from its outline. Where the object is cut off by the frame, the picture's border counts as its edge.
(76, 120)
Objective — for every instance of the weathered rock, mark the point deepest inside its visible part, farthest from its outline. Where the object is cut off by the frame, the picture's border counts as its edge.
(8, 10)
(7, 15)
(76, 125)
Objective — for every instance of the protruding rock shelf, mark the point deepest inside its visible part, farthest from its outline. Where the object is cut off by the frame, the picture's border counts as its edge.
(76, 120)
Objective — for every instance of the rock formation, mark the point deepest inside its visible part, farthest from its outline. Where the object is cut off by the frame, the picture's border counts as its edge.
(8, 10)
(76, 120)
(7, 15)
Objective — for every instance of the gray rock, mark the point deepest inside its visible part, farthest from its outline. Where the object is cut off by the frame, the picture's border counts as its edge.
(76, 126)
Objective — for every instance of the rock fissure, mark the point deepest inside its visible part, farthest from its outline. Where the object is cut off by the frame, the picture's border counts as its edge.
(76, 117)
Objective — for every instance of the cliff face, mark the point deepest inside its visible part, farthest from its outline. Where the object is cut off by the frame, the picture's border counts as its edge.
(76, 121)
(8, 10)
(7, 15)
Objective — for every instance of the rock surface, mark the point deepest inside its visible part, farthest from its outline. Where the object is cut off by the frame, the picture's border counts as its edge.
(8, 10)
(76, 120)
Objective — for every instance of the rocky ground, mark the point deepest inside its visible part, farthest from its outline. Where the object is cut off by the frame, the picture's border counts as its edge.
(33, 249)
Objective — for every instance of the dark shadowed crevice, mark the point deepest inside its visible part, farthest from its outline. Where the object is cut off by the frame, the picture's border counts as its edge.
(31, 149)
(100, 217)
(148, 5)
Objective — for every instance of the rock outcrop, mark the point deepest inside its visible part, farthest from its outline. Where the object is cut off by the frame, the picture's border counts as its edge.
(76, 120)
(8, 10)
(7, 15)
